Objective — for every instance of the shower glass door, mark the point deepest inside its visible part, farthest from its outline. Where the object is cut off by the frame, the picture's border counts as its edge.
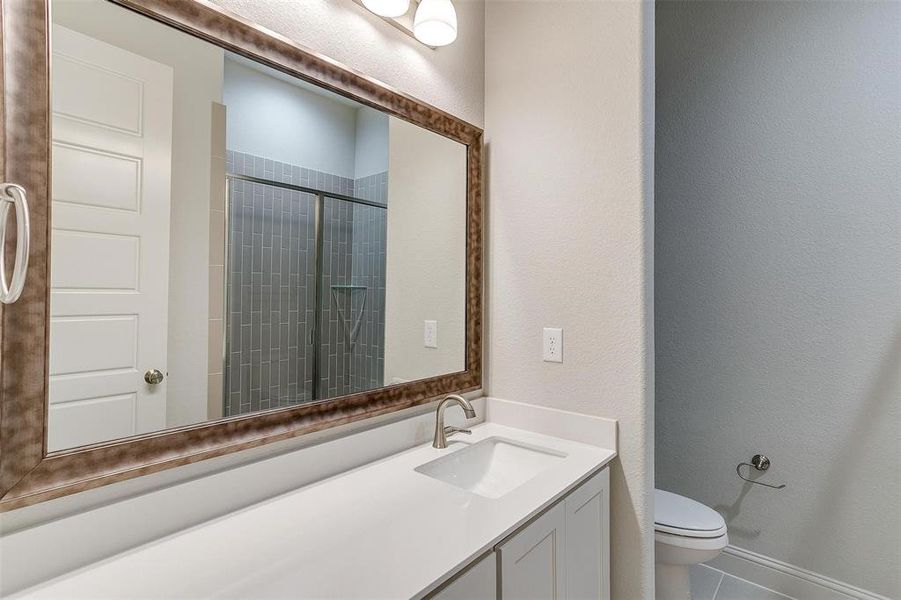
(305, 294)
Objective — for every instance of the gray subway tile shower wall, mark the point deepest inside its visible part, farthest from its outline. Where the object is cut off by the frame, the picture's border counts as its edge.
(368, 352)
(272, 284)
(368, 251)
(373, 188)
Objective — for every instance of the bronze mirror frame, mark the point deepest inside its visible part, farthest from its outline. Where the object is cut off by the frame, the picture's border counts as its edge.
(28, 473)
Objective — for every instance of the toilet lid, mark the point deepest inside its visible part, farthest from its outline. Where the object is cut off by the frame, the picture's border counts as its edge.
(683, 516)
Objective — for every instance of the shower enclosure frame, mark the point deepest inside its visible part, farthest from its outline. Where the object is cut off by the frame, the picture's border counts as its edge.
(316, 340)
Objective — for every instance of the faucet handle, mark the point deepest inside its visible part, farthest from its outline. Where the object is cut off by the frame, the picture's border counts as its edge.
(441, 432)
(450, 430)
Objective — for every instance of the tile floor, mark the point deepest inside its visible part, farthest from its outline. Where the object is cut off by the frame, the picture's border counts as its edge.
(710, 584)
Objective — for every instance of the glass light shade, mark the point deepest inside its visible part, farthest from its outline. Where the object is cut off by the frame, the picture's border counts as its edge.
(435, 23)
(388, 8)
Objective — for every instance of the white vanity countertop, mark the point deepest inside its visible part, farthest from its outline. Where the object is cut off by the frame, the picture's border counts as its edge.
(380, 531)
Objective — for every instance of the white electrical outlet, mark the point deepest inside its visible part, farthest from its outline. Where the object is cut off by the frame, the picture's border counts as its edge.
(430, 334)
(552, 345)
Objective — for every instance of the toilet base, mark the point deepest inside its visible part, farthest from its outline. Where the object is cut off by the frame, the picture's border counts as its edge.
(674, 556)
(672, 582)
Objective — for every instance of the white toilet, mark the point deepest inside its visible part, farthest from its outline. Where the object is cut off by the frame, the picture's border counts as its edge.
(686, 533)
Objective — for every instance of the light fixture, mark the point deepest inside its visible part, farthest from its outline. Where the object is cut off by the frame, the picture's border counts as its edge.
(388, 8)
(435, 22)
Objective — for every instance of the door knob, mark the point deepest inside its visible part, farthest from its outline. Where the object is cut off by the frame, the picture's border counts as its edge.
(153, 376)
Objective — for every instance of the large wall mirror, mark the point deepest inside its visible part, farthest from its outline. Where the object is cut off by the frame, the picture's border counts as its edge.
(238, 228)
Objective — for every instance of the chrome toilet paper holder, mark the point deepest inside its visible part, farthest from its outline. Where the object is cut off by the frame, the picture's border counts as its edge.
(761, 463)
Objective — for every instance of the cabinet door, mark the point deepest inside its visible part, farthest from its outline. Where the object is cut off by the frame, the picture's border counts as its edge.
(532, 561)
(478, 582)
(588, 539)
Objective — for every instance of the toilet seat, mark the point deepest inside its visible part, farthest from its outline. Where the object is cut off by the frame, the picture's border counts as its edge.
(705, 544)
(680, 516)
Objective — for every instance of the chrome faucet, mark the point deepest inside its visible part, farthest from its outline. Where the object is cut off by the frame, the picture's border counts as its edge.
(442, 432)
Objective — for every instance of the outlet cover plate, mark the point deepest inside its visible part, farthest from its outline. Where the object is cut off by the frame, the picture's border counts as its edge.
(430, 334)
(552, 345)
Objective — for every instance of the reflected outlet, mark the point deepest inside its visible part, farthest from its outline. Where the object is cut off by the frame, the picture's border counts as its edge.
(430, 334)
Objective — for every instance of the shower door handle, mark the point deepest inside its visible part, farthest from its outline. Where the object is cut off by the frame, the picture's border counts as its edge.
(12, 194)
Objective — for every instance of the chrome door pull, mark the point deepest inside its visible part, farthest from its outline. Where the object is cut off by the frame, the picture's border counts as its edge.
(153, 376)
(10, 193)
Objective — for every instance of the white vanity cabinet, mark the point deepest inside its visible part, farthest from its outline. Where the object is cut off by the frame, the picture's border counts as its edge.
(587, 539)
(533, 560)
(564, 553)
(478, 581)
(544, 538)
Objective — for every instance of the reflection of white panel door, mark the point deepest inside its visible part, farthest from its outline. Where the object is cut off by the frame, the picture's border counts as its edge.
(112, 137)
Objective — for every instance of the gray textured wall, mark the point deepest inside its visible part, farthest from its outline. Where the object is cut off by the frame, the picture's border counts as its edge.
(778, 275)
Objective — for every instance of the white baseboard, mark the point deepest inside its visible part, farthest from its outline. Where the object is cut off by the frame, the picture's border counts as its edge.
(786, 578)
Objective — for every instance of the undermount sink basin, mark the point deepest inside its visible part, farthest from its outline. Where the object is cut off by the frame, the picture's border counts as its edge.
(492, 467)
